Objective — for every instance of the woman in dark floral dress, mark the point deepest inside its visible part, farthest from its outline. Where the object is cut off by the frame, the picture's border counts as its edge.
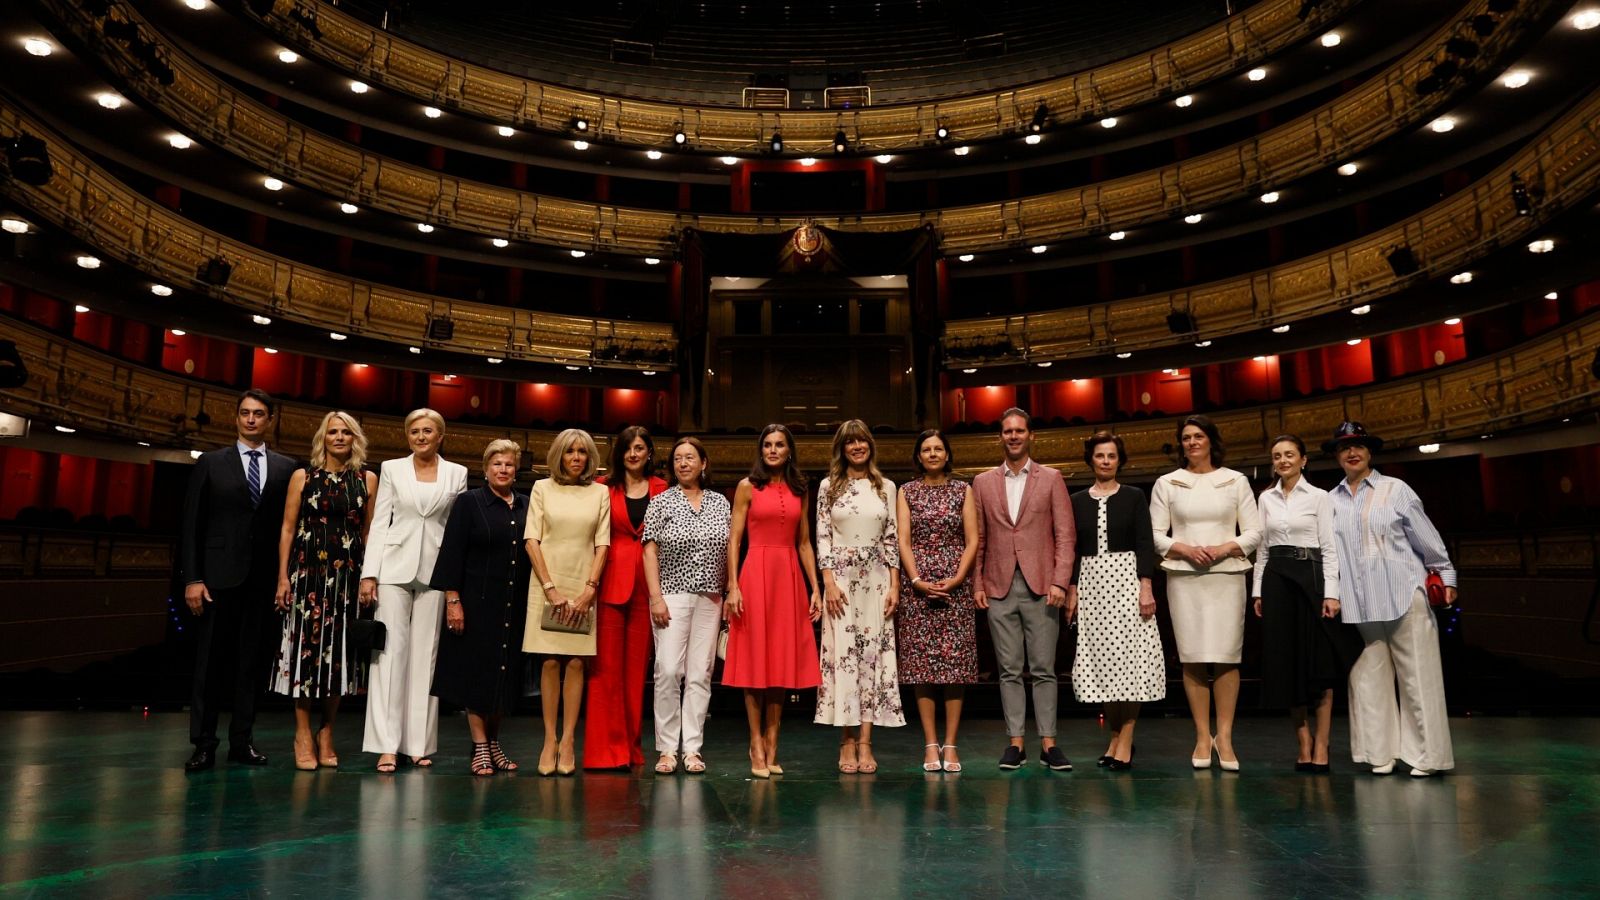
(938, 641)
(320, 550)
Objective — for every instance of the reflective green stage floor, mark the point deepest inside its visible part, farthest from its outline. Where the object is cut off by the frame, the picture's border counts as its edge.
(96, 804)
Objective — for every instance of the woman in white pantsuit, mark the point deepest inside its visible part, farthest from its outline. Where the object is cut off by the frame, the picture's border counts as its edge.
(408, 518)
(1206, 523)
(1386, 547)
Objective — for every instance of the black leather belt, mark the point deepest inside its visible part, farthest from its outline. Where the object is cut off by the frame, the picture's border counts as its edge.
(1281, 551)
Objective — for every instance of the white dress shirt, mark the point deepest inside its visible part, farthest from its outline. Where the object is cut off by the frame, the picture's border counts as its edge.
(244, 461)
(1016, 483)
(1303, 518)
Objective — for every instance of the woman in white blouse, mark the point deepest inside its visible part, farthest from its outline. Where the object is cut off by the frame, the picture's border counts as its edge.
(1305, 649)
(1205, 522)
(408, 518)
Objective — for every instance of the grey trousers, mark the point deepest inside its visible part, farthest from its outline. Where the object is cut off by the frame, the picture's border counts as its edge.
(1024, 627)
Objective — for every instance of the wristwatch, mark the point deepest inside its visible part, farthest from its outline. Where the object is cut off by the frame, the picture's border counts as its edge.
(549, 585)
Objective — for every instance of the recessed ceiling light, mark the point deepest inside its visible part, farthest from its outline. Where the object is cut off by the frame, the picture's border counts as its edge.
(1461, 278)
(415, 350)
(1039, 248)
(359, 365)
(1353, 341)
(730, 160)
(1108, 122)
(1544, 245)
(652, 154)
(337, 336)
(38, 46)
(425, 228)
(502, 243)
(1256, 74)
(573, 368)
(1331, 39)
(1169, 371)
(160, 290)
(493, 360)
(14, 226)
(1517, 79)
(808, 161)
(177, 332)
(884, 159)
(349, 209)
(1552, 296)
(1586, 19)
(109, 100)
(1281, 329)
(1270, 197)
(579, 254)
(1032, 139)
(1349, 169)
(1453, 320)
(261, 320)
(272, 184)
(963, 150)
(652, 260)
(359, 87)
(966, 257)
(179, 141)
(648, 372)
(1045, 365)
(506, 131)
(269, 350)
(80, 308)
(1193, 218)
(65, 430)
(1184, 102)
(1124, 355)
(1361, 310)
(288, 56)
(1202, 344)
(88, 262)
(580, 145)
(1427, 448)
(1117, 235)
(142, 443)
(432, 112)
(1442, 124)
(197, 5)
(969, 371)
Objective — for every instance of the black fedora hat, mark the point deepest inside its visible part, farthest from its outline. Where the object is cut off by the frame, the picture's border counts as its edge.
(1352, 433)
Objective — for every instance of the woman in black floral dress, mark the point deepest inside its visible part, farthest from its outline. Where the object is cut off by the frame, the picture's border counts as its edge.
(938, 642)
(320, 551)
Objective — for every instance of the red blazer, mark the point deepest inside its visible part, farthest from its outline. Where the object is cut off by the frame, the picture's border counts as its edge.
(624, 572)
(1042, 540)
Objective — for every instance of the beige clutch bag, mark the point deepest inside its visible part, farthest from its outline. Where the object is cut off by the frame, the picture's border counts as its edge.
(551, 620)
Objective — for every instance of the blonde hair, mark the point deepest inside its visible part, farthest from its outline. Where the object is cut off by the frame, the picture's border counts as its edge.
(423, 413)
(497, 447)
(559, 447)
(838, 469)
(358, 450)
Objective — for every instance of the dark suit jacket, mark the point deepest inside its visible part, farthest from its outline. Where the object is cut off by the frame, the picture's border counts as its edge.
(225, 542)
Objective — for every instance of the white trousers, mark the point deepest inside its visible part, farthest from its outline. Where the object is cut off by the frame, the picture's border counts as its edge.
(686, 650)
(402, 713)
(1415, 728)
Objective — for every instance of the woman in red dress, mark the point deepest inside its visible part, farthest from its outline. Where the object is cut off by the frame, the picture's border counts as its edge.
(616, 677)
(770, 607)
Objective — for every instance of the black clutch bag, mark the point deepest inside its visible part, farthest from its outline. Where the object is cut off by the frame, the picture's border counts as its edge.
(552, 620)
(368, 635)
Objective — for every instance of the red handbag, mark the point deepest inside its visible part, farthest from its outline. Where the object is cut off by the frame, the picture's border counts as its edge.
(1435, 588)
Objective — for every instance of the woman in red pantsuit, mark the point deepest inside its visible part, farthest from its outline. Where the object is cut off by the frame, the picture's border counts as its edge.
(616, 677)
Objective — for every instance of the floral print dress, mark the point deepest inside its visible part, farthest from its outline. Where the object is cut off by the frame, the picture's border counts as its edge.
(937, 645)
(315, 658)
(857, 538)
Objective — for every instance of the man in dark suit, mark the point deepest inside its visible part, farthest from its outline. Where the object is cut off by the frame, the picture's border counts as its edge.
(231, 521)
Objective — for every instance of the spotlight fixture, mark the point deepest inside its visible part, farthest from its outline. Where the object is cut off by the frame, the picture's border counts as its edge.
(776, 144)
(1586, 20)
(679, 137)
(1483, 24)
(288, 56)
(652, 260)
(942, 132)
(1349, 169)
(1520, 198)
(1361, 310)
(334, 335)
(13, 226)
(261, 320)
(652, 154)
(432, 112)
(1108, 122)
(1184, 102)
(1453, 320)
(1281, 329)
(179, 141)
(1461, 48)
(501, 243)
(1039, 248)
(580, 124)
(506, 131)
(962, 150)
(1428, 448)
(349, 209)
(1193, 218)
(161, 290)
(841, 142)
(1270, 197)
(425, 228)
(1256, 74)
(883, 159)
(1517, 79)
(272, 184)
(1117, 235)
(88, 262)
(1181, 323)
(1331, 39)
(580, 145)
(215, 272)
(359, 87)
(1461, 278)
(1442, 125)
(1041, 115)
(1544, 245)
(38, 46)
(1402, 261)
(1032, 139)
(966, 257)
(1429, 84)
(1124, 355)
(729, 160)
(108, 100)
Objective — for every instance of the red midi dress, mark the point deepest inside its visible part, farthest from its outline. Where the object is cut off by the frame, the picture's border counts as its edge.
(772, 644)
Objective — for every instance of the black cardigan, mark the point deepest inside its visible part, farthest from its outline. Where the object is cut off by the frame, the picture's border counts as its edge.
(1127, 528)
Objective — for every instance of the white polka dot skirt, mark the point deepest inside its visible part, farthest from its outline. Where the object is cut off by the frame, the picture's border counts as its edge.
(1119, 652)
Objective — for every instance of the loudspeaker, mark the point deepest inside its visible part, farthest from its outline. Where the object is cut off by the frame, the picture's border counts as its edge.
(215, 271)
(1181, 323)
(1403, 261)
(29, 159)
(441, 328)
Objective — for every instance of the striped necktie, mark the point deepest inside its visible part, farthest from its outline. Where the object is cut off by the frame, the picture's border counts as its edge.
(253, 475)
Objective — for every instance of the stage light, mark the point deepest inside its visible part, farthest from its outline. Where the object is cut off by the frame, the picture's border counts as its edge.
(272, 184)
(969, 371)
(349, 209)
(1124, 355)
(966, 257)
(1461, 278)
(679, 137)
(359, 87)
(1544, 245)
(580, 124)
(215, 272)
(261, 320)
(941, 132)
(1039, 248)
(730, 160)
(179, 142)
(1331, 39)
(1353, 342)
(432, 112)
(1461, 48)
(1270, 197)
(1552, 296)
(841, 142)
(1193, 218)
(88, 262)
(1282, 329)
(808, 161)
(776, 144)
(1117, 235)
(1402, 261)
(1108, 122)
(962, 150)
(1442, 125)
(1586, 19)
(1184, 102)
(1349, 169)
(652, 260)
(1483, 24)
(1032, 139)
(580, 145)
(416, 351)
(1517, 79)
(502, 243)
(14, 226)
(1453, 320)
(579, 254)
(652, 154)
(1181, 323)
(1256, 74)
(161, 290)
(338, 337)
(108, 100)
(1202, 344)
(883, 159)
(80, 308)
(506, 131)
(288, 56)
(1041, 115)
(1427, 448)
(38, 46)
(493, 360)
(425, 228)
(1361, 310)
(177, 332)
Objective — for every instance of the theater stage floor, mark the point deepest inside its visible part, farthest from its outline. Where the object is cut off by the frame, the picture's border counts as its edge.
(97, 804)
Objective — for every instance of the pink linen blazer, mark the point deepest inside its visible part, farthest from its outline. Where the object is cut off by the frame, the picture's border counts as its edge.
(1040, 542)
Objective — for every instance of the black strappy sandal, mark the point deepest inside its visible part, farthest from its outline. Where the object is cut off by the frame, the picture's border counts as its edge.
(481, 762)
(498, 757)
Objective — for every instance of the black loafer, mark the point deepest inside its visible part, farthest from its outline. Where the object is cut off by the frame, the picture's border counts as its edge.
(1056, 760)
(1013, 758)
(203, 759)
(246, 756)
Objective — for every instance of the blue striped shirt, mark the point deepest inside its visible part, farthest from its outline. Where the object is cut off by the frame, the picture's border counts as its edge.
(1386, 547)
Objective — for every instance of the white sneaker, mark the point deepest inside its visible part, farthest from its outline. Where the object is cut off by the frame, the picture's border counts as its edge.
(1384, 769)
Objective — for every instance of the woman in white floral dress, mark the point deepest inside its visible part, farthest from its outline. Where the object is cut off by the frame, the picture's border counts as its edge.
(858, 551)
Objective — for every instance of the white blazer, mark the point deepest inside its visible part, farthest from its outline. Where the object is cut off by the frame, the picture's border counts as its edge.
(407, 523)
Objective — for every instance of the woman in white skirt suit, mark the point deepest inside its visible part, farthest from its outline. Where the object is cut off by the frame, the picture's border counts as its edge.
(1206, 523)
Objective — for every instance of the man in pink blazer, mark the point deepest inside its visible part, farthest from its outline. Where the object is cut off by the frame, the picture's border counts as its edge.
(1025, 548)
